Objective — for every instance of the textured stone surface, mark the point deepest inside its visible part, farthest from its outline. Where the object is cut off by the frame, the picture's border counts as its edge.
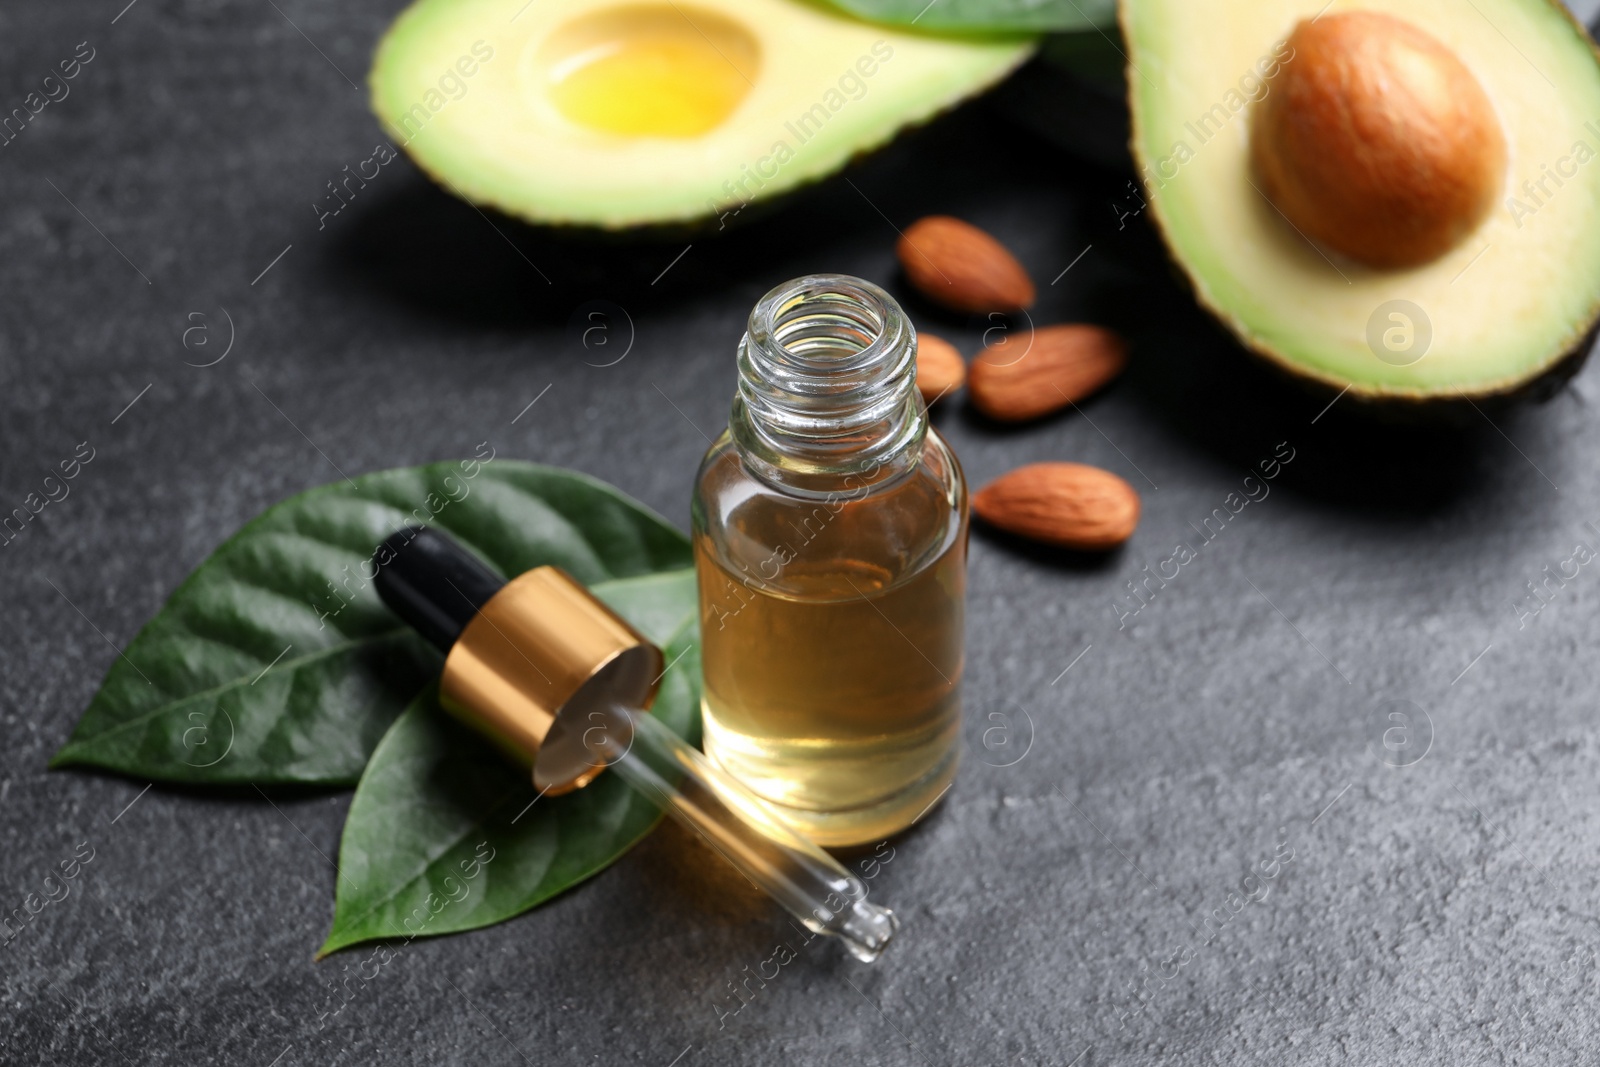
(1440, 913)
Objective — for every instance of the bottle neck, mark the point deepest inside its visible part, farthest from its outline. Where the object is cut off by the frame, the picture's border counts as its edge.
(827, 394)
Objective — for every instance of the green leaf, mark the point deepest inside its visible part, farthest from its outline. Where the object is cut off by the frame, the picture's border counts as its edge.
(987, 16)
(445, 834)
(275, 662)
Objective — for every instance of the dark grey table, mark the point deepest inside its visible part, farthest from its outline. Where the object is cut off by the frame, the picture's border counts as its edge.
(1079, 898)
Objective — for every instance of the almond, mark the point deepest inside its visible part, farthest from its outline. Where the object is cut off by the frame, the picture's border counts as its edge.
(955, 264)
(1065, 504)
(940, 368)
(1032, 374)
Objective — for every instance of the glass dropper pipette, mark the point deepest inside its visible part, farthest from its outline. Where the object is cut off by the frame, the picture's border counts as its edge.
(559, 681)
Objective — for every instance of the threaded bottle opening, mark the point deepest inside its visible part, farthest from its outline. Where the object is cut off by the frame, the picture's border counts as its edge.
(827, 386)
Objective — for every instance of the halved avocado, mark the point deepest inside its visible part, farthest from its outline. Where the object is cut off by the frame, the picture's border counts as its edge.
(1501, 287)
(618, 113)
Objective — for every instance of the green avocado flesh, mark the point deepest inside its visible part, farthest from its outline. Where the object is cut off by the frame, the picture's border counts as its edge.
(1506, 306)
(634, 113)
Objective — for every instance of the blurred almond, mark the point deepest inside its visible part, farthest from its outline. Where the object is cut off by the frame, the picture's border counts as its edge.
(955, 264)
(940, 368)
(1032, 374)
(1067, 504)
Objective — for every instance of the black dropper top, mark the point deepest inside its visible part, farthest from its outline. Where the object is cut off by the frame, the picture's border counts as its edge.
(432, 582)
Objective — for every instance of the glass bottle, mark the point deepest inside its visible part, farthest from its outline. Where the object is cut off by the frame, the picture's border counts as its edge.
(830, 536)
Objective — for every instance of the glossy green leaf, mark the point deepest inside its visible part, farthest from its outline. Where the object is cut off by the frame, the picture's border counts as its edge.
(275, 661)
(446, 834)
(987, 16)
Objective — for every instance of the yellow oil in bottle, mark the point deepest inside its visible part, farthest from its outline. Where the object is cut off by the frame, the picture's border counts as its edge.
(832, 648)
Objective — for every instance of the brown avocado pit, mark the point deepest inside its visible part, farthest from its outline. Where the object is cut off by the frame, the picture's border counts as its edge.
(1376, 141)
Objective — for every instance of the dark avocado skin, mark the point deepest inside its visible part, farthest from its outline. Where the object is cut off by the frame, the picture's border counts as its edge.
(1441, 409)
(1431, 408)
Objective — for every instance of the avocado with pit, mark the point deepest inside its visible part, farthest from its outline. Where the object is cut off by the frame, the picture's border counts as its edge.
(616, 115)
(1399, 203)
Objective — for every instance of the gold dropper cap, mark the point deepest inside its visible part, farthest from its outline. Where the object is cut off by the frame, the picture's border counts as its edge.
(540, 665)
(541, 659)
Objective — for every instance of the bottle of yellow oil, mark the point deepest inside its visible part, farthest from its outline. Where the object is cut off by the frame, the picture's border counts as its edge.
(830, 533)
